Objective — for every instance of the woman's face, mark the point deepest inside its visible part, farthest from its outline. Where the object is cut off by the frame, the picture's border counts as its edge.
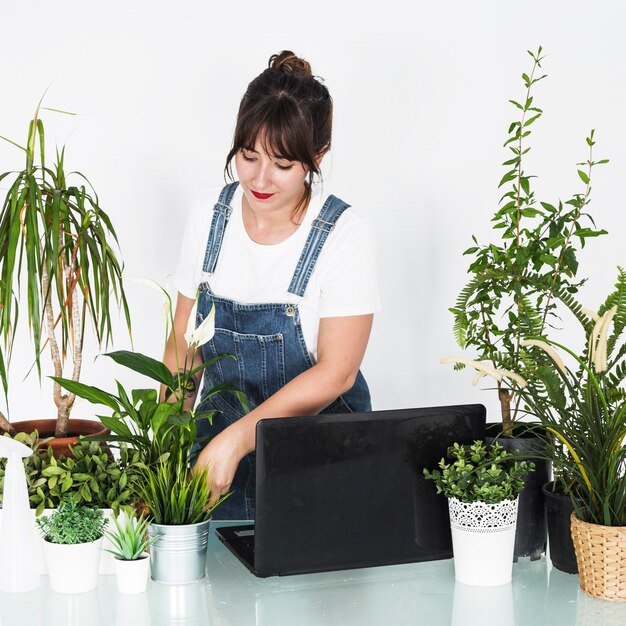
(270, 184)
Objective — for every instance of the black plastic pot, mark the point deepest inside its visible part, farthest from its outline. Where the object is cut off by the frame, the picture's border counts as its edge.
(558, 510)
(532, 529)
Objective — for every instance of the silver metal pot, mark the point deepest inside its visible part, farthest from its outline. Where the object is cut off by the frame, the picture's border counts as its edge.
(178, 556)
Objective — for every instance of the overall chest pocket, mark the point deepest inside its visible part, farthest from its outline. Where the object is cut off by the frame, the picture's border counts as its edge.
(259, 368)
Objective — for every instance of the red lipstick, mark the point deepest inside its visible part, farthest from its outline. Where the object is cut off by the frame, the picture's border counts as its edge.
(261, 196)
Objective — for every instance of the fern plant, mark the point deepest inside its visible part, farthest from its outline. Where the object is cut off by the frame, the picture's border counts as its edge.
(516, 284)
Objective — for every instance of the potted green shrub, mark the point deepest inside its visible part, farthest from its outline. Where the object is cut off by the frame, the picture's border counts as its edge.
(482, 484)
(580, 398)
(129, 546)
(72, 544)
(57, 249)
(512, 294)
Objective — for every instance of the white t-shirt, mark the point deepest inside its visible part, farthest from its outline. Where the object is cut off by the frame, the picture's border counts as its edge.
(343, 283)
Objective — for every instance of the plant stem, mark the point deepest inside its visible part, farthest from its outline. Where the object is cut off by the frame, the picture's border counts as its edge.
(505, 403)
(5, 424)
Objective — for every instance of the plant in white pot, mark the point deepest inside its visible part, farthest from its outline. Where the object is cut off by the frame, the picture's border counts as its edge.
(482, 485)
(72, 545)
(130, 545)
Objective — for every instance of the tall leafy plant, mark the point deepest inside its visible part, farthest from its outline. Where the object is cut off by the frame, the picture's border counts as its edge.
(516, 283)
(57, 247)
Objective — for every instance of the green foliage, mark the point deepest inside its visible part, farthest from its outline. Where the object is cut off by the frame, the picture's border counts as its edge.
(151, 422)
(584, 408)
(515, 283)
(480, 473)
(72, 523)
(90, 477)
(174, 494)
(129, 538)
(57, 246)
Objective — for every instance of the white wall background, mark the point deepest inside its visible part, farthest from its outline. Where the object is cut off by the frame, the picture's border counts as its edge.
(421, 113)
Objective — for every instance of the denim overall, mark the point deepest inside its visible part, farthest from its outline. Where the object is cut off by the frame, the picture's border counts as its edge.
(269, 345)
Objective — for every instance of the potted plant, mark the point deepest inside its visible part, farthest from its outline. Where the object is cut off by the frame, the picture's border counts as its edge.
(482, 484)
(511, 294)
(160, 425)
(130, 548)
(584, 407)
(177, 501)
(72, 545)
(57, 248)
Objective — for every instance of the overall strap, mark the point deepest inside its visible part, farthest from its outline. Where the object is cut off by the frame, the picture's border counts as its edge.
(322, 225)
(221, 215)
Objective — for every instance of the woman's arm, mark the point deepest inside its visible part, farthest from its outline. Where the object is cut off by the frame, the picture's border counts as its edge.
(176, 347)
(340, 348)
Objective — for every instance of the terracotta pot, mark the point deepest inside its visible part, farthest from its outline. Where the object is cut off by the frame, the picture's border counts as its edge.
(61, 445)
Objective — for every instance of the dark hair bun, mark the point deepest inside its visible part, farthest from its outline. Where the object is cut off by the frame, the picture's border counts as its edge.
(287, 61)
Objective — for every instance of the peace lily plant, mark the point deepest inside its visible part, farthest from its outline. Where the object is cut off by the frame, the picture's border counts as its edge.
(517, 285)
(148, 420)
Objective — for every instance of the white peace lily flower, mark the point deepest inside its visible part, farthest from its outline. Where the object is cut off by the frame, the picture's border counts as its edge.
(600, 359)
(204, 332)
(547, 348)
(487, 370)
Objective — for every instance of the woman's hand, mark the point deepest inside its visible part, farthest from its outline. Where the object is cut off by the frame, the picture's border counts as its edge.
(221, 457)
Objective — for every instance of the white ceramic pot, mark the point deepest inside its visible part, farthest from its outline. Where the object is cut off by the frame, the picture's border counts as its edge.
(107, 560)
(73, 568)
(483, 538)
(39, 542)
(132, 576)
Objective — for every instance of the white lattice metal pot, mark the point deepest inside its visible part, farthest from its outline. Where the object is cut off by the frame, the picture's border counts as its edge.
(483, 537)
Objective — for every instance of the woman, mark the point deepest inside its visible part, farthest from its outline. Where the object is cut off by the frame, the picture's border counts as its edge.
(291, 273)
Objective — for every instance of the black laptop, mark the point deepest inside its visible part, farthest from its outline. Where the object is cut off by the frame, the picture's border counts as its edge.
(343, 491)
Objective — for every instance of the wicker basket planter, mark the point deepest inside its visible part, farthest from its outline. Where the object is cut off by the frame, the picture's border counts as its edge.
(601, 556)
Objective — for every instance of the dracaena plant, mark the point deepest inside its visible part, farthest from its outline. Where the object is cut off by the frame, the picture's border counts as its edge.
(580, 398)
(151, 421)
(57, 248)
(517, 283)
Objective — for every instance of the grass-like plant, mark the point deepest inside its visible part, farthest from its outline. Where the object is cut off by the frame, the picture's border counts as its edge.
(480, 473)
(584, 408)
(173, 494)
(129, 538)
(73, 523)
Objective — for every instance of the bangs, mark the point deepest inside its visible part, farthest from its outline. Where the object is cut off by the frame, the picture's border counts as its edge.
(281, 130)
